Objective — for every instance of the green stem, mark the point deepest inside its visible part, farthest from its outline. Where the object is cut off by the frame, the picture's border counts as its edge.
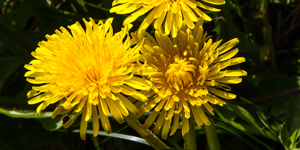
(151, 138)
(95, 141)
(190, 137)
(211, 135)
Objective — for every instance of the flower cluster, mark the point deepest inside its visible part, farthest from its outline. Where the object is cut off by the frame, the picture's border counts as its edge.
(97, 73)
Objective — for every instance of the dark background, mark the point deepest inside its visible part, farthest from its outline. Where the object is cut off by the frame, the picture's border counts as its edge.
(265, 114)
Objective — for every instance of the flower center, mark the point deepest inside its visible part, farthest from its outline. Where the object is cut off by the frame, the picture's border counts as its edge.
(181, 72)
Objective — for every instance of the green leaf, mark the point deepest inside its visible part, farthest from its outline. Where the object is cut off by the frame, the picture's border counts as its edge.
(239, 127)
(264, 120)
(119, 135)
(243, 114)
(293, 139)
(51, 124)
(14, 113)
(262, 110)
(82, 4)
(240, 137)
(284, 136)
(7, 66)
(98, 7)
(293, 114)
(246, 116)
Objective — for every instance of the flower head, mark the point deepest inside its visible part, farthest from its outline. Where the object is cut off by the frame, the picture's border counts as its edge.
(170, 12)
(87, 72)
(191, 76)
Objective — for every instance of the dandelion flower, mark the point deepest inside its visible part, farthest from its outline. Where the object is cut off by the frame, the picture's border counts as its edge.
(88, 71)
(170, 12)
(191, 76)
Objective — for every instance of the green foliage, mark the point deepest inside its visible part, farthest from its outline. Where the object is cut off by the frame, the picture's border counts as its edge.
(265, 115)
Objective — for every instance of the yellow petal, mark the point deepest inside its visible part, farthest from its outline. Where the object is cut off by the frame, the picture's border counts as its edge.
(121, 107)
(202, 115)
(236, 73)
(41, 107)
(54, 99)
(127, 90)
(39, 98)
(32, 93)
(230, 80)
(158, 22)
(147, 21)
(138, 83)
(115, 111)
(237, 60)
(215, 2)
(146, 71)
(227, 55)
(224, 64)
(56, 111)
(185, 125)
(207, 7)
(168, 23)
(166, 129)
(34, 74)
(169, 104)
(88, 110)
(136, 14)
(128, 104)
(227, 46)
(175, 124)
(170, 113)
(160, 121)
(190, 13)
(81, 104)
(196, 116)
(217, 76)
(139, 96)
(202, 15)
(211, 99)
(151, 118)
(161, 103)
(104, 120)
(76, 100)
(95, 121)
(209, 108)
(222, 94)
(104, 107)
(83, 126)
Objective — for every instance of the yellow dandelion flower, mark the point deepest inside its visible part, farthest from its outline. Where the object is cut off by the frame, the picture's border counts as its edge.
(170, 12)
(191, 76)
(87, 72)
